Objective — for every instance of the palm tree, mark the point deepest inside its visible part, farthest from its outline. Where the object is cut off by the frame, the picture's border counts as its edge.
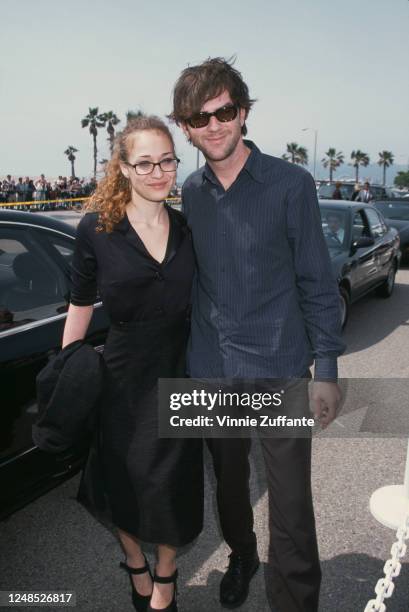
(386, 159)
(94, 121)
(110, 120)
(133, 115)
(292, 148)
(71, 157)
(302, 156)
(359, 158)
(297, 154)
(332, 161)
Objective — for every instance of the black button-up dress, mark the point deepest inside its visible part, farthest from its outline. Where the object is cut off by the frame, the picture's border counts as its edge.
(148, 486)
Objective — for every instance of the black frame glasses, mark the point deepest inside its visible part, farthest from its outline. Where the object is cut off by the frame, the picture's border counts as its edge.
(148, 164)
(225, 113)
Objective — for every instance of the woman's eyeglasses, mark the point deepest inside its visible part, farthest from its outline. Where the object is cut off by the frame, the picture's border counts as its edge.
(222, 114)
(169, 164)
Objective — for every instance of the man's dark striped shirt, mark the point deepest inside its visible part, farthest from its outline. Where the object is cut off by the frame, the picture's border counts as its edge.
(265, 303)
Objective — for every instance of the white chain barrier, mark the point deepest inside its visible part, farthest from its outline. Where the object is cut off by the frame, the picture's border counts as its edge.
(385, 586)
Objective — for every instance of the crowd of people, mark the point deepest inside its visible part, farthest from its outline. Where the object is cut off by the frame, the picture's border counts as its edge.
(28, 189)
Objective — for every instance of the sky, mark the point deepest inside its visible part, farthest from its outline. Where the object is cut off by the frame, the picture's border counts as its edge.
(338, 68)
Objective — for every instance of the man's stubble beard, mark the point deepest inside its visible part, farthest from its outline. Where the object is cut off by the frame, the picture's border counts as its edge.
(223, 154)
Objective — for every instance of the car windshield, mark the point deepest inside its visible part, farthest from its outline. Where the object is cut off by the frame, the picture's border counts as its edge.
(378, 192)
(326, 191)
(334, 226)
(394, 210)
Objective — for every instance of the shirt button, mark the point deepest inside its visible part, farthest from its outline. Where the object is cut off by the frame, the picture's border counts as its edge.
(159, 309)
(158, 276)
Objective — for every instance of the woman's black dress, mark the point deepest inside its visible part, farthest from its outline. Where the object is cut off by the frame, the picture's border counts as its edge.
(148, 486)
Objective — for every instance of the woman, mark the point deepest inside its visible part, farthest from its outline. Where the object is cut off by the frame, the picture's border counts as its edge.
(138, 253)
(337, 195)
(356, 192)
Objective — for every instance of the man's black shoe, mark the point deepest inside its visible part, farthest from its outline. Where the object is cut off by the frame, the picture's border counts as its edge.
(234, 587)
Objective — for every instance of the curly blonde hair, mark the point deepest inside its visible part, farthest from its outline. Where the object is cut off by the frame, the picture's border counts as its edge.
(113, 192)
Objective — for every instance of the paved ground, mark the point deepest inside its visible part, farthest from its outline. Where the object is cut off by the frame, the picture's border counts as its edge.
(54, 544)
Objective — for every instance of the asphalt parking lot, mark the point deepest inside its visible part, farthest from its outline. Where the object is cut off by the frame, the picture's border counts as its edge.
(54, 544)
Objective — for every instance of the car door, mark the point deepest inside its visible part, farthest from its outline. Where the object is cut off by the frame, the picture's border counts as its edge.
(383, 243)
(363, 260)
(34, 295)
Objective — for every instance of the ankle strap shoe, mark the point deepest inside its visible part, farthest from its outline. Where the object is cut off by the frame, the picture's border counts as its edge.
(140, 602)
(172, 607)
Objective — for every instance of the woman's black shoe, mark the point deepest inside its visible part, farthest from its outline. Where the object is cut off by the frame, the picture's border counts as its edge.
(172, 607)
(140, 602)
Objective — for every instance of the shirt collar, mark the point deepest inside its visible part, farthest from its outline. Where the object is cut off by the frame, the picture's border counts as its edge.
(123, 225)
(253, 165)
(177, 233)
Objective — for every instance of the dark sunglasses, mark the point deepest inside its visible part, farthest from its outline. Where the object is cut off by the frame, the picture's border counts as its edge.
(222, 114)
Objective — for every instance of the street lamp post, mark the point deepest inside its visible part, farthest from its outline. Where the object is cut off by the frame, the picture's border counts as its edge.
(315, 146)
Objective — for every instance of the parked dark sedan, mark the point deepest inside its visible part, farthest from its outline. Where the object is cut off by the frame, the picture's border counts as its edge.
(35, 257)
(396, 212)
(364, 250)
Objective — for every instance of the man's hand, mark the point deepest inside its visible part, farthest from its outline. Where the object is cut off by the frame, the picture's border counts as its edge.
(325, 400)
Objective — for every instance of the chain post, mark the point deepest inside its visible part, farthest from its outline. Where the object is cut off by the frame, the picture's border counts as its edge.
(384, 587)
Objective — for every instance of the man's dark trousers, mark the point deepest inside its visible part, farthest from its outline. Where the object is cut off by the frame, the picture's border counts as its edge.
(293, 574)
(231, 466)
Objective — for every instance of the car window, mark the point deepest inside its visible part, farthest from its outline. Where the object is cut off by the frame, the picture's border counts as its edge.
(378, 192)
(360, 226)
(32, 286)
(334, 226)
(326, 191)
(394, 210)
(63, 246)
(376, 224)
(390, 194)
(65, 251)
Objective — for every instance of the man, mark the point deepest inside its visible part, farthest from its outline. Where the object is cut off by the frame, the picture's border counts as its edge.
(366, 194)
(265, 305)
(21, 188)
(335, 230)
(9, 187)
(41, 188)
(29, 187)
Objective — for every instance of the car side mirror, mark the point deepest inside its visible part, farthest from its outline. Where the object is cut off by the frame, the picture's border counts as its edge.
(362, 242)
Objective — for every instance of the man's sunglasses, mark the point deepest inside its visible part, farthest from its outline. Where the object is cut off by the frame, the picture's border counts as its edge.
(222, 114)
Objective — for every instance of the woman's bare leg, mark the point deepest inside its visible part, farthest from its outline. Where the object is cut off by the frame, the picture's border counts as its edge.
(135, 559)
(163, 593)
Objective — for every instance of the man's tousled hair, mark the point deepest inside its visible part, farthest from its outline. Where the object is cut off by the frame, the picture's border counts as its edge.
(198, 84)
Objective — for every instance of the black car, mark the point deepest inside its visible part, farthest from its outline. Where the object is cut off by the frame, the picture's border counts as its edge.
(35, 258)
(364, 250)
(397, 214)
(326, 191)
